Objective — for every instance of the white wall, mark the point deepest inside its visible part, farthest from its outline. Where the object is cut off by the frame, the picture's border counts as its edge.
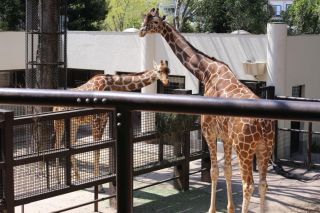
(122, 52)
(104, 51)
(12, 50)
(232, 49)
(302, 62)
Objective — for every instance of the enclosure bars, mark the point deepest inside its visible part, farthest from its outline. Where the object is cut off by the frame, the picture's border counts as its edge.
(46, 26)
(7, 158)
(126, 102)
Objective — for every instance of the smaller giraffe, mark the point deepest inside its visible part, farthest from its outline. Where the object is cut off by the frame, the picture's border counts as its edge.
(125, 82)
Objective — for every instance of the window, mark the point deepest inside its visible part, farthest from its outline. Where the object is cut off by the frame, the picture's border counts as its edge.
(298, 91)
(288, 6)
(276, 10)
(296, 137)
(175, 83)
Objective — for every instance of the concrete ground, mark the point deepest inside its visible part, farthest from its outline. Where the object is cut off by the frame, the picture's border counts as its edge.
(284, 195)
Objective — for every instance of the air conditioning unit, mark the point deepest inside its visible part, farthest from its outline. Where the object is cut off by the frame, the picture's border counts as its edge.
(255, 68)
(4, 79)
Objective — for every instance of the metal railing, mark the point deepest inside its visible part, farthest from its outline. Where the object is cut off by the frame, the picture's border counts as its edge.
(124, 104)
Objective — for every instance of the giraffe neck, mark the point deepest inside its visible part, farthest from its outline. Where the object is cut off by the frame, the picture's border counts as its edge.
(199, 64)
(125, 82)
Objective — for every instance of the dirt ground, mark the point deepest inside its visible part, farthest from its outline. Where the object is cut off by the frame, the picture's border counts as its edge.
(284, 195)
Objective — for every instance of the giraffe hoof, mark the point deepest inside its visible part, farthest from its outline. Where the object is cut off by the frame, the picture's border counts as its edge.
(212, 211)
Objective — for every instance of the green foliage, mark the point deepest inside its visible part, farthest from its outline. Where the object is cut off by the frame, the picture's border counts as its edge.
(86, 14)
(172, 126)
(224, 16)
(126, 13)
(173, 123)
(211, 16)
(304, 17)
(12, 15)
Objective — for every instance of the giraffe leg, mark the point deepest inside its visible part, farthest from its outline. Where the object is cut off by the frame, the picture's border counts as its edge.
(214, 171)
(59, 131)
(98, 130)
(228, 173)
(263, 157)
(73, 140)
(247, 179)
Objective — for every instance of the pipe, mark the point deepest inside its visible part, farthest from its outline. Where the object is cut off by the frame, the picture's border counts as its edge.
(272, 109)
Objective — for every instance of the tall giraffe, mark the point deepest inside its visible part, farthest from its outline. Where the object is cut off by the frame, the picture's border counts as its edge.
(125, 82)
(249, 136)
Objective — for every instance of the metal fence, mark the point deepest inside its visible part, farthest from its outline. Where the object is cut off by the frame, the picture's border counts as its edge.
(300, 144)
(53, 168)
(58, 152)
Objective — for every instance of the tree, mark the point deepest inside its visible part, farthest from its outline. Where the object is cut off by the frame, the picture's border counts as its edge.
(126, 13)
(248, 15)
(12, 15)
(211, 16)
(86, 14)
(304, 16)
(222, 16)
(184, 11)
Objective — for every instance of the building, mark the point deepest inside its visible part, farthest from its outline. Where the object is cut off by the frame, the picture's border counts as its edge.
(280, 6)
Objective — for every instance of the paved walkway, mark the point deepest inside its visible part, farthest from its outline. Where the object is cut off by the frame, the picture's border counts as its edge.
(284, 195)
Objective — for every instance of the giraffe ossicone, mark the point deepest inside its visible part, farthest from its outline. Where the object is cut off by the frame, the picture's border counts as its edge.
(248, 136)
(104, 82)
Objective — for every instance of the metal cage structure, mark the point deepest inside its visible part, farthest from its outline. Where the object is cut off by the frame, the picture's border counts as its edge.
(46, 44)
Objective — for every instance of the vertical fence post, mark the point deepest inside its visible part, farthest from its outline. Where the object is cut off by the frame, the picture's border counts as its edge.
(124, 162)
(186, 162)
(7, 156)
(275, 149)
(309, 160)
(112, 159)
(182, 169)
(68, 170)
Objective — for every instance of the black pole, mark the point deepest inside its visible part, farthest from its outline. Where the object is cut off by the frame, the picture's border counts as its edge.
(7, 156)
(271, 109)
(124, 150)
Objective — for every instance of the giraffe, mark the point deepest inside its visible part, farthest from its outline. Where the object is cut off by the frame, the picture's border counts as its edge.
(124, 82)
(248, 136)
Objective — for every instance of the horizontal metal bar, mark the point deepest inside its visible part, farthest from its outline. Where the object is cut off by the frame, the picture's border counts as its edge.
(84, 204)
(272, 109)
(38, 63)
(157, 166)
(297, 99)
(50, 155)
(57, 192)
(57, 115)
(292, 130)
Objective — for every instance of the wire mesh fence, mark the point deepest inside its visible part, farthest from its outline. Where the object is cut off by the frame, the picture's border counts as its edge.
(57, 151)
(296, 145)
(38, 138)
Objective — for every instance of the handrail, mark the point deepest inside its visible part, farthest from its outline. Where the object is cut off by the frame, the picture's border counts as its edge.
(272, 109)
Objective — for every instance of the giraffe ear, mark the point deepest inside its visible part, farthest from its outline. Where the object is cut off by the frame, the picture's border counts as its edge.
(157, 12)
(167, 63)
(164, 18)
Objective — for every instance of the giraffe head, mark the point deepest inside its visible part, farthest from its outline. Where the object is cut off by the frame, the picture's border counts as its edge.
(163, 72)
(152, 23)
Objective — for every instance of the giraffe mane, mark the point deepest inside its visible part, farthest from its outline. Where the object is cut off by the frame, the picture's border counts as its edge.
(195, 49)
